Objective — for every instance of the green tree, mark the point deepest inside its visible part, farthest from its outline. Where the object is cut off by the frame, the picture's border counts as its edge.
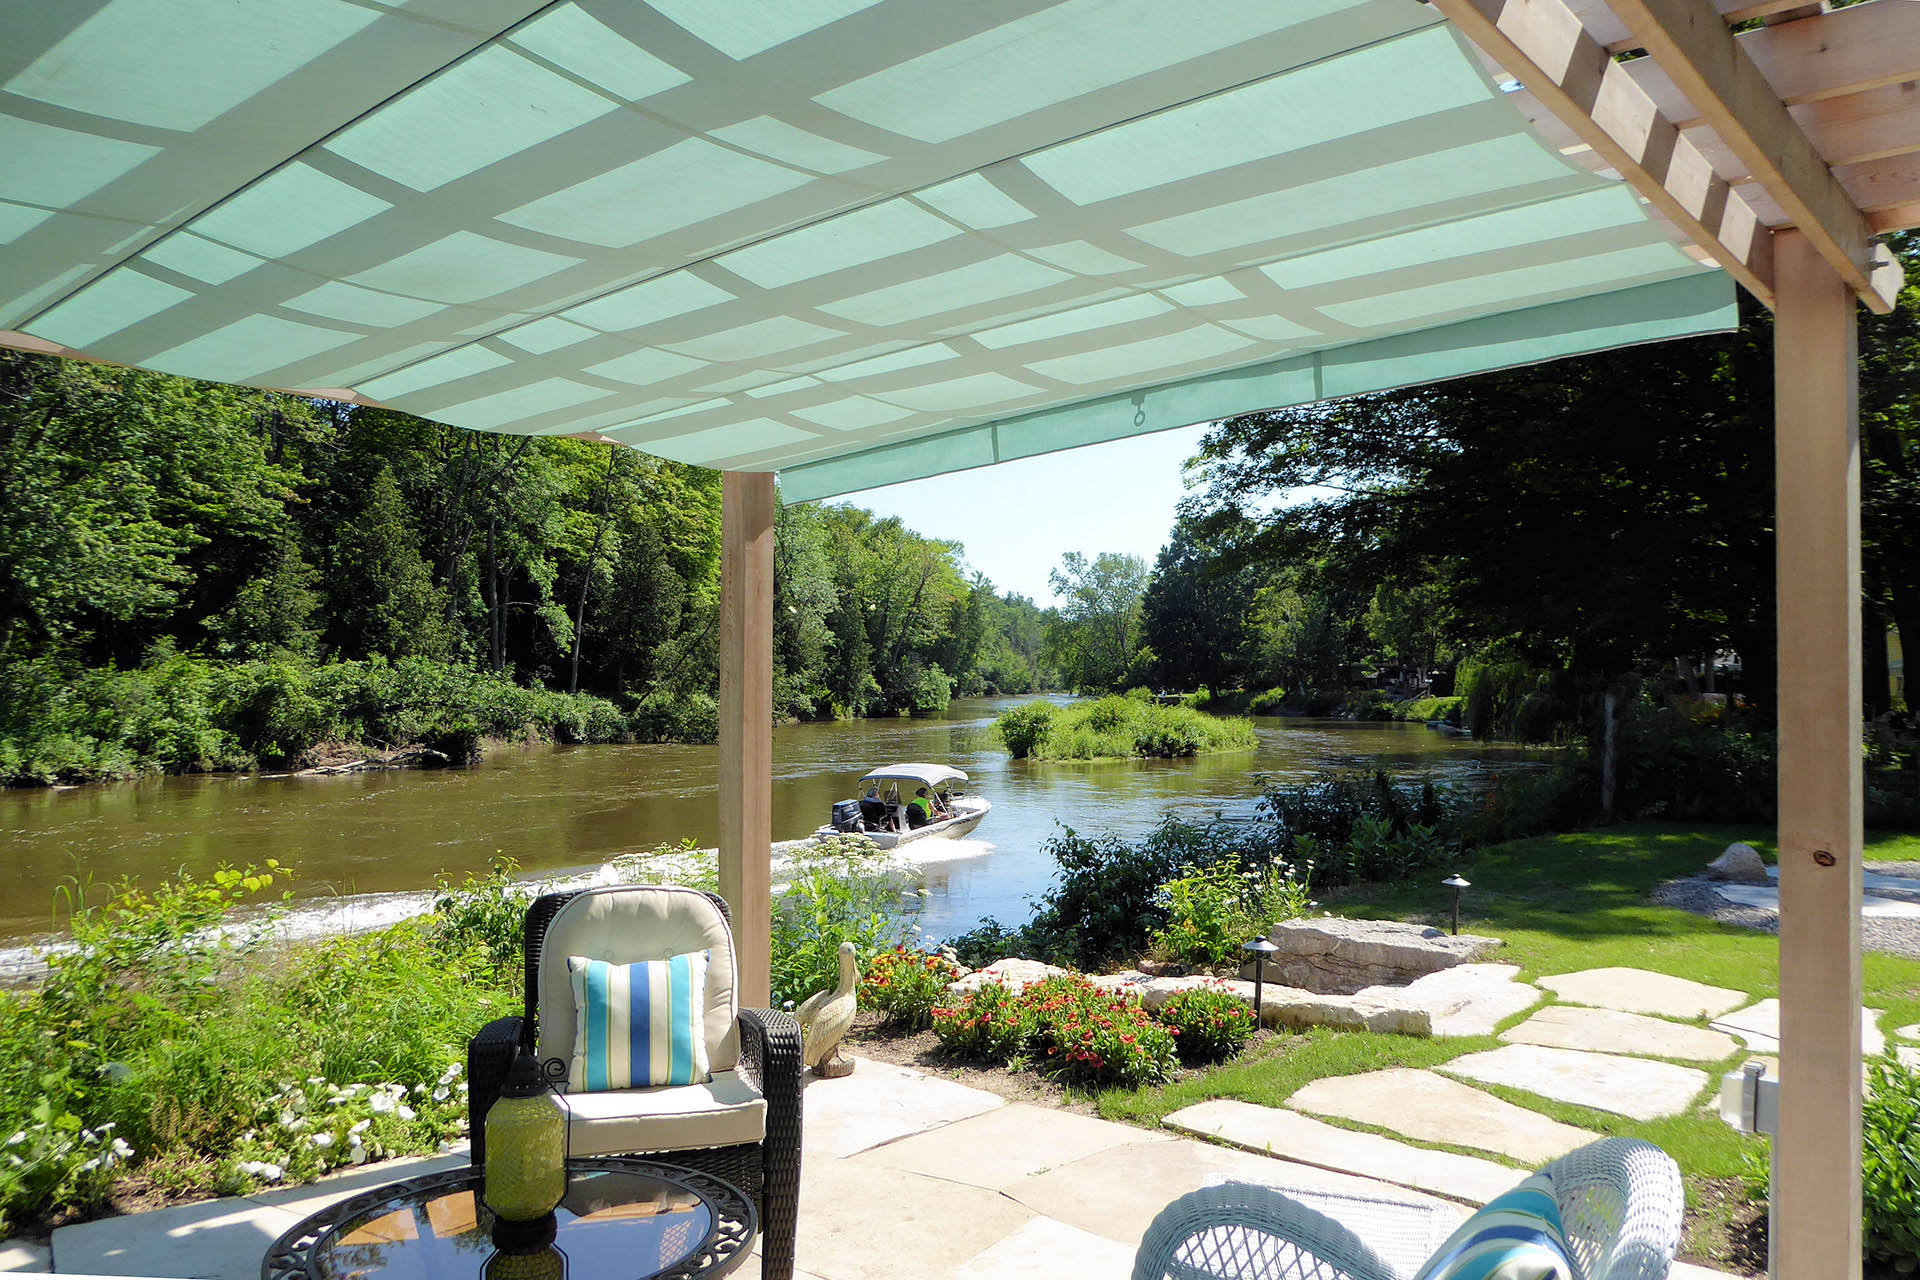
(1194, 612)
(384, 594)
(1095, 637)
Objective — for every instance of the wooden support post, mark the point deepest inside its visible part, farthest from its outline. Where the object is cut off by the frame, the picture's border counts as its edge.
(1816, 1157)
(746, 723)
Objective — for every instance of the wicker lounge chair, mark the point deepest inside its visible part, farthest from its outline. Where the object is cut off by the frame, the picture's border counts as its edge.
(744, 1126)
(1620, 1206)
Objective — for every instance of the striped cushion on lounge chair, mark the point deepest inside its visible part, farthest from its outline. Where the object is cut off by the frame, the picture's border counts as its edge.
(1517, 1236)
(638, 1024)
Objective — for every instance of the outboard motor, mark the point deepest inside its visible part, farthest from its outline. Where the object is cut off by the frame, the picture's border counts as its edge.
(846, 816)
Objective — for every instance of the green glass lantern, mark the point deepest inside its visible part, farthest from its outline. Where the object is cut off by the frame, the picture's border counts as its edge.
(526, 1172)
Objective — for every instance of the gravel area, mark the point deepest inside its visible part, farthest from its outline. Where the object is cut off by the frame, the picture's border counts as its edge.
(1896, 937)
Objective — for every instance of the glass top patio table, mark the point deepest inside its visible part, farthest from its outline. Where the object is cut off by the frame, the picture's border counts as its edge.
(620, 1220)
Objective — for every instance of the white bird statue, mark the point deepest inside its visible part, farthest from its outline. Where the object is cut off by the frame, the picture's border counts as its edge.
(825, 1018)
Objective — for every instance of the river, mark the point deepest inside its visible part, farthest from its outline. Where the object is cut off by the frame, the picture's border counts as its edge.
(566, 808)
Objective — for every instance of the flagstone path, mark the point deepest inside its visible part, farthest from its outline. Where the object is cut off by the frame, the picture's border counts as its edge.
(1639, 1088)
(1565, 1026)
(1638, 991)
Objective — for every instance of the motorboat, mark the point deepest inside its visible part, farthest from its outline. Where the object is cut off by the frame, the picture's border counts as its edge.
(881, 810)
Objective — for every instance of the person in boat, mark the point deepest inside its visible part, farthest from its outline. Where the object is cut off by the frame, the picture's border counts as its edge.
(919, 809)
(873, 810)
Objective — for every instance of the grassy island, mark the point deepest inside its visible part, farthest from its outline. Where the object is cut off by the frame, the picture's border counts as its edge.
(1118, 728)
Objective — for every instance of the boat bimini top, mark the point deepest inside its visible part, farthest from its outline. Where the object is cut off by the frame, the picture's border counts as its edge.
(930, 776)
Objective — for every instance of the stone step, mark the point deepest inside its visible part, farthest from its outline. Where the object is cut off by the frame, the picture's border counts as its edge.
(1431, 1108)
(1643, 991)
(1638, 1088)
(1291, 1136)
(1565, 1026)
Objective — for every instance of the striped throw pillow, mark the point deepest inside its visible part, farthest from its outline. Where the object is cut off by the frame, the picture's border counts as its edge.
(1517, 1236)
(640, 1024)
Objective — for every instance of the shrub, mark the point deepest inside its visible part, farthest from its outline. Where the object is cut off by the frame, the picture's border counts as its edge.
(1208, 1023)
(829, 901)
(1890, 1165)
(905, 986)
(992, 1022)
(1025, 728)
(484, 914)
(1212, 910)
(1097, 1038)
(1267, 702)
(1120, 727)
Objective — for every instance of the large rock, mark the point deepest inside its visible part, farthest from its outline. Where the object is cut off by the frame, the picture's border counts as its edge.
(1012, 973)
(1741, 864)
(1335, 956)
(1282, 1006)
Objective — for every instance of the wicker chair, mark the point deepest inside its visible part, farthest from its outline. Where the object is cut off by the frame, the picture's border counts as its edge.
(755, 1054)
(1620, 1206)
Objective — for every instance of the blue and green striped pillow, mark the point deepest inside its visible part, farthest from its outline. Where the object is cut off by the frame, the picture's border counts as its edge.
(639, 1024)
(1517, 1236)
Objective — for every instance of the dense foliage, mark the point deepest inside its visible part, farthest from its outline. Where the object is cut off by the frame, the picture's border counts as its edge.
(1890, 1165)
(303, 555)
(1116, 728)
(1210, 1023)
(1064, 1026)
(905, 985)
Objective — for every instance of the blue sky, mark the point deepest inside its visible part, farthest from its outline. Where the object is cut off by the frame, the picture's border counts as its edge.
(1018, 518)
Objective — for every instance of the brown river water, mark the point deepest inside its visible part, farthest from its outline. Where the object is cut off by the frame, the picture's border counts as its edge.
(567, 808)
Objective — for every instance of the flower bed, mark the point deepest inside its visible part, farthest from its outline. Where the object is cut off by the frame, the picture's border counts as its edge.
(1072, 1030)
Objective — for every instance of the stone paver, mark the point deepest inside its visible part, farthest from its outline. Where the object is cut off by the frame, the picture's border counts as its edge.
(856, 1224)
(1767, 898)
(1908, 1032)
(1908, 1055)
(1640, 991)
(881, 1102)
(1115, 1193)
(1758, 1025)
(1610, 1031)
(998, 1148)
(1045, 1250)
(1292, 1136)
(1635, 1087)
(213, 1240)
(1431, 1108)
(25, 1257)
(1467, 1000)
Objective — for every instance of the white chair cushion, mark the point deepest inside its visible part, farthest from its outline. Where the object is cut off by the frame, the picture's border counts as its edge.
(621, 924)
(723, 1112)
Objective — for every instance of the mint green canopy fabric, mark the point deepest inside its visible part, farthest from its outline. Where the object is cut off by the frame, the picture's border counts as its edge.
(854, 241)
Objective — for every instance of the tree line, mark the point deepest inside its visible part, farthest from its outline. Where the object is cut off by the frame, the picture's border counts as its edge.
(144, 516)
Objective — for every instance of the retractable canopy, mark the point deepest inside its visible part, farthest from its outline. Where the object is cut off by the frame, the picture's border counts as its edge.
(854, 241)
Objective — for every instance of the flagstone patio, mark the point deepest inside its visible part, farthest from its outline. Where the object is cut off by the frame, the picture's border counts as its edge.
(906, 1173)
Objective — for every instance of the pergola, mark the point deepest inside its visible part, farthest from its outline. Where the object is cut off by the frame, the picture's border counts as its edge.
(859, 241)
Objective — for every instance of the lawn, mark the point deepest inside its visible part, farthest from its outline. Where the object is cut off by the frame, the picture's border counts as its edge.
(1561, 902)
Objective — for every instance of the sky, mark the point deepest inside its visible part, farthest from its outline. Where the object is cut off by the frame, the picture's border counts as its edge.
(1019, 518)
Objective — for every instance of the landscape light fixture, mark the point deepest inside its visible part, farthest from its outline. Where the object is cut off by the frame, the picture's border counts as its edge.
(1456, 882)
(1261, 948)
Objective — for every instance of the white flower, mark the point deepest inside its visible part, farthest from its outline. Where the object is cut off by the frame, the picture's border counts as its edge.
(451, 1074)
(462, 1086)
(359, 1127)
(298, 1126)
(262, 1170)
(442, 1094)
(382, 1104)
(320, 1141)
(316, 1079)
(405, 1112)
(357, 1156)
(17, 1138)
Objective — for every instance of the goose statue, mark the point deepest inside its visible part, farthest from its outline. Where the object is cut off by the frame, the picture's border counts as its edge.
(825, 1018)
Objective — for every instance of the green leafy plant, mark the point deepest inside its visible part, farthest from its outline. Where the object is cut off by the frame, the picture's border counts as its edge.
(1890, 1165)
(1096, 1037)
(1209, 1023)
(485, 913)
(906, 985)
(1024, 729)
(992, 1022)
(827, 902)
(1211, 910)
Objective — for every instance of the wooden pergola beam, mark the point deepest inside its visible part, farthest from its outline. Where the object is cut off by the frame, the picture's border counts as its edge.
(746, 724)
(1690, 41)
(1543, 45)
